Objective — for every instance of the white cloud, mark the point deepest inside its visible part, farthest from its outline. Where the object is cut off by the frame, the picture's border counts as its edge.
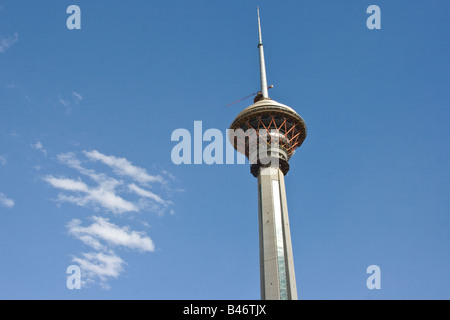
(104, 231)
(118, 193)
(171, 176)
(77, 95)
(71, 160)
(3, 160)
(106, 192)
(6, 43)
(147, 194)
(67, 184)
(5, 201)
(103, 195)
(69, 102)
(64, 102)
(123, 167)
(92, 242)
(99, 265)
(38, 146)
(101, 235)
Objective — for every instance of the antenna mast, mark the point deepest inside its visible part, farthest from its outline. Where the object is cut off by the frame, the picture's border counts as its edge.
(262, 63)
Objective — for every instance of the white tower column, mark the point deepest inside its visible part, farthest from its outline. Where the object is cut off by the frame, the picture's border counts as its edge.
(276, 257)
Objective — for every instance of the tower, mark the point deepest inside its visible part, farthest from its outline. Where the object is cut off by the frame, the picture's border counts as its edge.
(268, 133)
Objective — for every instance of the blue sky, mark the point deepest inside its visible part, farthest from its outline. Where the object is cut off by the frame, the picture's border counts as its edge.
(86, 175)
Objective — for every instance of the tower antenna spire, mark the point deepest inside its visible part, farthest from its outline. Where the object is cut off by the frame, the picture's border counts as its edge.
(262, 63)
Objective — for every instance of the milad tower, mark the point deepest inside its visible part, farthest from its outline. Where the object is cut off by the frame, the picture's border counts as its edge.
(268, 133)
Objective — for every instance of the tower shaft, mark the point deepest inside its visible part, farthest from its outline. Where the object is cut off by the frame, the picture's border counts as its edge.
(276, 257)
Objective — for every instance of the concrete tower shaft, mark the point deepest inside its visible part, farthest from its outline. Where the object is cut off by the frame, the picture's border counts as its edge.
(277, 272)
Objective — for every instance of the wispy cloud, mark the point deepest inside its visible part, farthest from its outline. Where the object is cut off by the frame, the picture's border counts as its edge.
(102, 195)
(147, 194)
(108, 192)
(5, 201)
(69, 102)
(6, 43)
(77, 95)
(99, 265)
(117, 192)
(101, 230)
(123, 167)
(3, 160)
(102, 235)
(67, 184)
(38, 146)
(118, 195)
(64, 103)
